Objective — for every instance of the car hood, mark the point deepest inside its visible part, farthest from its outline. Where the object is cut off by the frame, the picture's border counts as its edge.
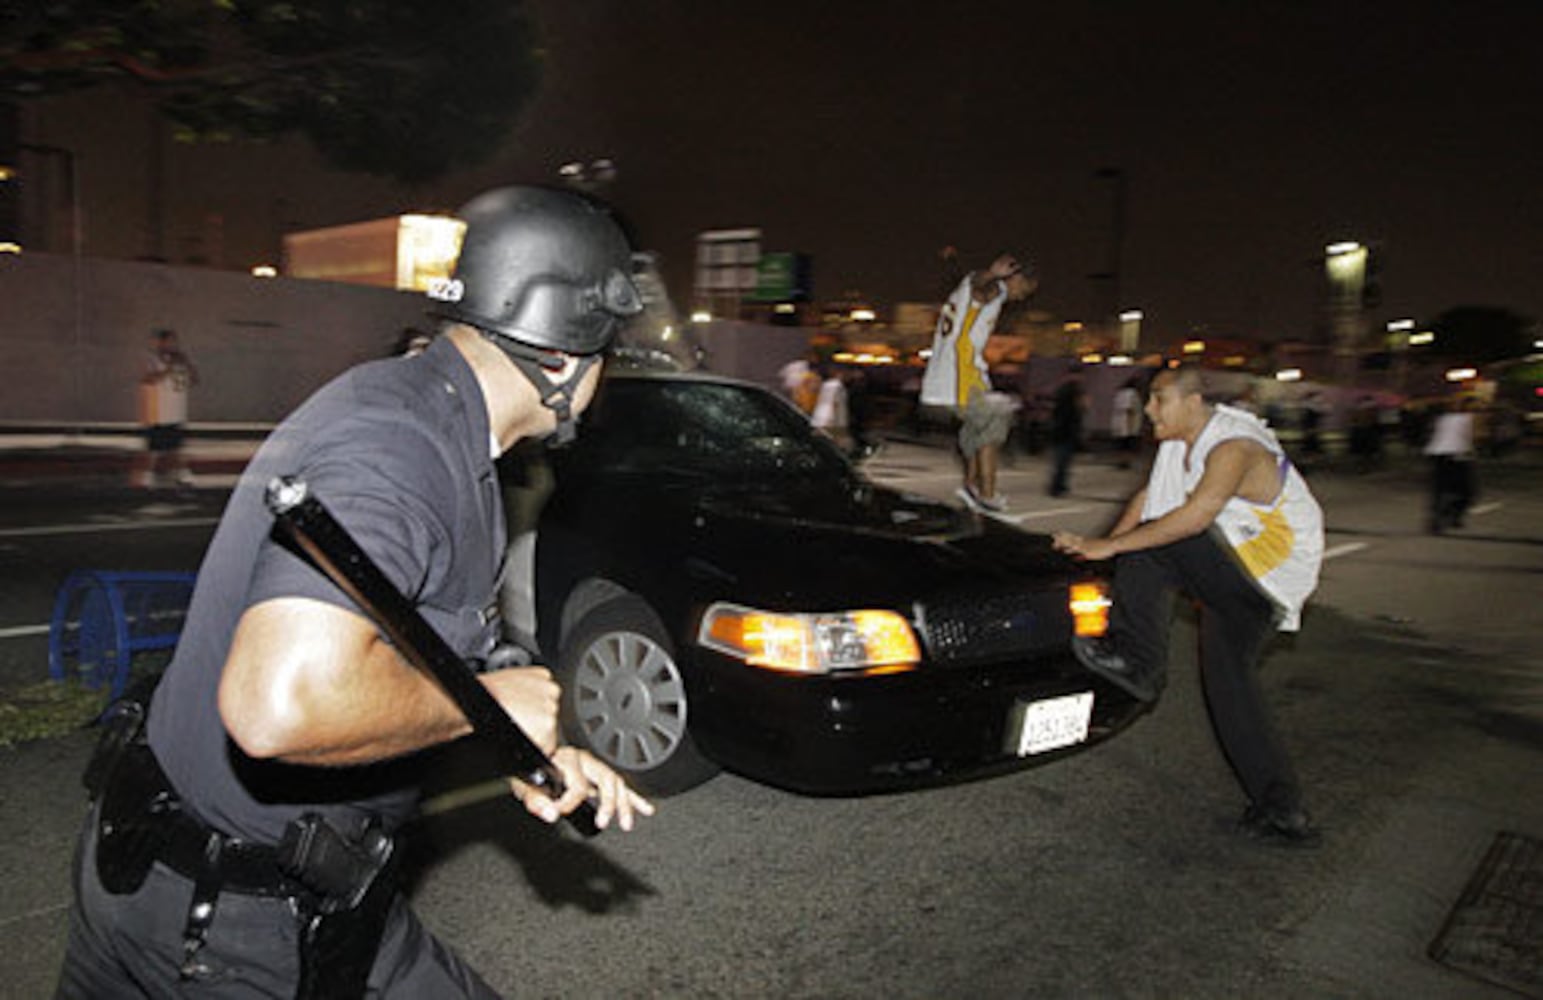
(829, 546)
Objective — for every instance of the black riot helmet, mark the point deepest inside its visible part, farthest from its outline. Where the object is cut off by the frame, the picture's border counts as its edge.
(543, 274)
(545, 268)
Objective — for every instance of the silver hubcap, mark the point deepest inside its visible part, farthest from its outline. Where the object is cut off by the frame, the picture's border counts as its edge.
(630, 701)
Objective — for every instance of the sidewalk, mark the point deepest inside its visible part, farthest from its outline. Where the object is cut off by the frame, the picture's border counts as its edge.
(214, 456)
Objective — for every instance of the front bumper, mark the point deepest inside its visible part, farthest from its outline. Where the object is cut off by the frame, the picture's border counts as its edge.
(852, 735)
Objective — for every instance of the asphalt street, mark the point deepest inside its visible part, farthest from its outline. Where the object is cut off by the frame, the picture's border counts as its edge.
(1413, 700)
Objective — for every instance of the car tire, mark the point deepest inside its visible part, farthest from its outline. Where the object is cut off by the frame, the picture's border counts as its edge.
(624, 699)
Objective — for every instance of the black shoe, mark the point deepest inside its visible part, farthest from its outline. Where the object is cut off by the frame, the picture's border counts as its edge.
(1283, 827)
(1098, 654)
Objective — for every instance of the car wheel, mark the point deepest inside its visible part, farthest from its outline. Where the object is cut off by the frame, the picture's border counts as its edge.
(625, 701)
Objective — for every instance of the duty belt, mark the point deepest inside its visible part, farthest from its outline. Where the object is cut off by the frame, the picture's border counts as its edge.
(196, 850)
(341, 887)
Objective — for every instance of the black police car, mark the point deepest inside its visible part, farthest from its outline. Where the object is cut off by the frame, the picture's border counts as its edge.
(717, 586)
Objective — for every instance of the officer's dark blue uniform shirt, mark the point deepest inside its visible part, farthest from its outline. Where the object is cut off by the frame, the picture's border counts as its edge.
(398, 450)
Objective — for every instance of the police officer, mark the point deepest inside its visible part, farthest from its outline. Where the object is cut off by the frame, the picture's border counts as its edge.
(274, 771)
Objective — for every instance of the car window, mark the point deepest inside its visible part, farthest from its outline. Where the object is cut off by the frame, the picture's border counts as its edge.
(702, 428)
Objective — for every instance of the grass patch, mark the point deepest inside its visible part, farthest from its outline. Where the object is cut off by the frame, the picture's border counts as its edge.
(47, 709)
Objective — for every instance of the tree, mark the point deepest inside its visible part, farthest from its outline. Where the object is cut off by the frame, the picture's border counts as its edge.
(396, 89)
(1482, 333)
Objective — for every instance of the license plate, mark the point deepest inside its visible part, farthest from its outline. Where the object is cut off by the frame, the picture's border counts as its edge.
(1038, 726)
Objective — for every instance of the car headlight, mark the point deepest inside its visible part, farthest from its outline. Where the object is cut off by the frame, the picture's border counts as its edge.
(868, 641)
(1090, 605)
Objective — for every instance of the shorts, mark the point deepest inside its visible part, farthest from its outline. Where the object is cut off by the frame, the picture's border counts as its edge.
(165, 437)
(987, 421)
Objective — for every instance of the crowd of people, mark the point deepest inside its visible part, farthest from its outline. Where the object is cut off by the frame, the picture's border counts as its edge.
(1059, 421)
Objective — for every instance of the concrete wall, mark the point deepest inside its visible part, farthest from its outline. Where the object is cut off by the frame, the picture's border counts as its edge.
(755, 352)
(74, 336)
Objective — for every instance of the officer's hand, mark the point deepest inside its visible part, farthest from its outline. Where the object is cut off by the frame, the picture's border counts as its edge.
(530, 696)
(585, 777)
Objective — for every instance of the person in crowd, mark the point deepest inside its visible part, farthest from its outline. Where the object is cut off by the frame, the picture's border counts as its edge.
(1451, 453)
(410, 342)
(165, 385)
(1366, 433)
(1125, 420)
(830, 412)
(860, 391)
(1312, 427)
(1226, 519)
(957, 381)
(801, 383)
(1067, 410)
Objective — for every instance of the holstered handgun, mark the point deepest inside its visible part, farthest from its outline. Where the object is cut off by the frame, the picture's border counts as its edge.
(131, 816)
(354, 885)
(130, 793)
(122, 723)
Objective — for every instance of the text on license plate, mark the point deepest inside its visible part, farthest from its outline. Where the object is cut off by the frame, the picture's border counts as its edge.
(1038, 726)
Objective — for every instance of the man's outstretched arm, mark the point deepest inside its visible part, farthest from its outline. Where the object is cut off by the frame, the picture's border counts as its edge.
(1225, 468)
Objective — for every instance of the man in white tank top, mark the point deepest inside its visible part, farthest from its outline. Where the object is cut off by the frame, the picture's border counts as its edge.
(1228, 520)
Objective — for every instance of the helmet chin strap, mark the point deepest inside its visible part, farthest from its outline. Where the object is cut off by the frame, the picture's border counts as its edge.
(538, 367)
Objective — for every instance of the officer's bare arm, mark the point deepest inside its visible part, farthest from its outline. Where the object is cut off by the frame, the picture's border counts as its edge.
(308, 682)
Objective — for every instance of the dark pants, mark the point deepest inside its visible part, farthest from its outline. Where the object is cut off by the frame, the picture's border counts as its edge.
(1060, 480)
(1451, 491)
(1235, 621)
(131, 945)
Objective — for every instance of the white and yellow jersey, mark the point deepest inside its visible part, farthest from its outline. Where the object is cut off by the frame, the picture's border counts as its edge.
(1278, 544)
(957, 368)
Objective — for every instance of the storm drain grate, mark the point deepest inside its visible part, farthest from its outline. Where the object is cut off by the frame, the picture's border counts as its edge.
(1495, 932)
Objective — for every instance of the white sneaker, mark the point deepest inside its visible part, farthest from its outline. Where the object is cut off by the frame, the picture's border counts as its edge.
(968, 496)
(994, 504)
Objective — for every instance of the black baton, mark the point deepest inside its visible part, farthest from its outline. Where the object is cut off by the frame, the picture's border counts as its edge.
(304, 521)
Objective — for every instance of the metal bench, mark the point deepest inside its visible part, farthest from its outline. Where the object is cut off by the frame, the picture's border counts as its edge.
(102, 618)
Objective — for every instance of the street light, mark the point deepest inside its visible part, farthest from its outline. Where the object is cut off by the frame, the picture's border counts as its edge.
(1399, 339)
(1109, 278)
(1344, 266)
(1130, 329)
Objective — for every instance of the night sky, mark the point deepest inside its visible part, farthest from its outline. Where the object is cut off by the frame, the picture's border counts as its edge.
(872, 134)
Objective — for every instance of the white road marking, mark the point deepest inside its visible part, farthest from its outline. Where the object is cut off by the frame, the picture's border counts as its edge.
(20, 631)
(1486, 508)
(41, 530)
(1343, 550)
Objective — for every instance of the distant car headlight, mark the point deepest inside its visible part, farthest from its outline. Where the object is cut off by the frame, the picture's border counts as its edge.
(867, 641)
(1090, 605)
